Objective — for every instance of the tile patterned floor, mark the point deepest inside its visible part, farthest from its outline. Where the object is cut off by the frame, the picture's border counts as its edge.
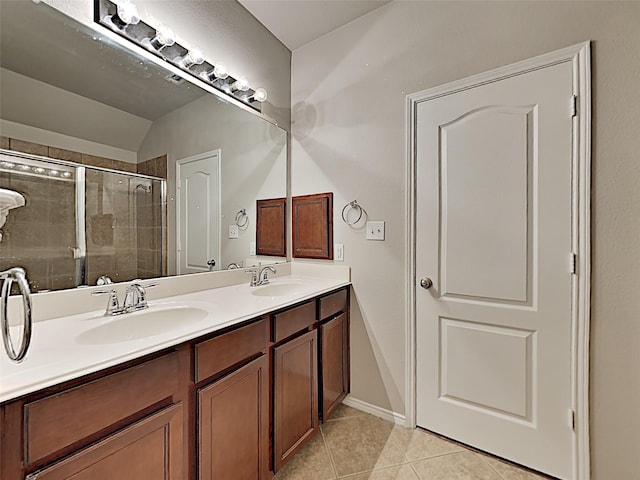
(357, 446)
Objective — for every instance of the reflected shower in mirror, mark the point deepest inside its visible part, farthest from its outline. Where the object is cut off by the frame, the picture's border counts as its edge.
(72, 94)
(80, 223)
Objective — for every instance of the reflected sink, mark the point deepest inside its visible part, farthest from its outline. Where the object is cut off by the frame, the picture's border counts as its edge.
(147, 323)
(277, 289)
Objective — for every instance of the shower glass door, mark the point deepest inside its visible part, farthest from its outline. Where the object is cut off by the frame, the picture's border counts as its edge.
(79, 223)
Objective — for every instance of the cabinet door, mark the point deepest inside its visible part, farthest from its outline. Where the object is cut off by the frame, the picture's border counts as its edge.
(233, 425)
(151, 449)
(334, 363)
(296, 395)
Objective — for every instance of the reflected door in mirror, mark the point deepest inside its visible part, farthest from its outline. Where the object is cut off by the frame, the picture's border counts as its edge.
(198, 181)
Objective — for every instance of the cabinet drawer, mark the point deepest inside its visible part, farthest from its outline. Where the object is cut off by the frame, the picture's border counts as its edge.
(59, 420)
(150, 448)
(219, 353)
(332, 304)
(294, 320)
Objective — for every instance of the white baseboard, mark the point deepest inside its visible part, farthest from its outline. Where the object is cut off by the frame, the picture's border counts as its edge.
(383, 413)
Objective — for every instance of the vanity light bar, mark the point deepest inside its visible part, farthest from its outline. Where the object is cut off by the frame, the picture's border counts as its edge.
(123, 18)
(36, 169)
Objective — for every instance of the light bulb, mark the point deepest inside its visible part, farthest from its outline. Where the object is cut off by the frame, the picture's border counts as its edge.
(260, 95)
(164, 37)
(66, 174)
(240, 84)
(39, 170)
(127, 14)
(193, 57)
(219, 72)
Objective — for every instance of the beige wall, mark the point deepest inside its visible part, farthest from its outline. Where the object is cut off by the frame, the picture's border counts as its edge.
(348, 126)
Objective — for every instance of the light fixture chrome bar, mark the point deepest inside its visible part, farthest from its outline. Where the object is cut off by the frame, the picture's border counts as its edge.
(161, 42)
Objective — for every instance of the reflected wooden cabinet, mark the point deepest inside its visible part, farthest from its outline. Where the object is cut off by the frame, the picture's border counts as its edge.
(271, 229)
(233, 425)
(296, 395)
(151, 449)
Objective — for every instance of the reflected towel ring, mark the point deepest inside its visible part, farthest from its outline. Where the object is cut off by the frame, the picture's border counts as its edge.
(242, 214)
(351, 205)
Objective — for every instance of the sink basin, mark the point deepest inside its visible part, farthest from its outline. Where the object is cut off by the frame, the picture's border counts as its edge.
(277, 289)
(147, 323)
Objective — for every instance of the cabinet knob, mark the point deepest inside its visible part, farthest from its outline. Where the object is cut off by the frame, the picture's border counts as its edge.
(426, 283)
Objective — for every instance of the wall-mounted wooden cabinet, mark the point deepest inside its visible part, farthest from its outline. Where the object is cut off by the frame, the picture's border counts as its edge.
(234, 404)
(312, 219)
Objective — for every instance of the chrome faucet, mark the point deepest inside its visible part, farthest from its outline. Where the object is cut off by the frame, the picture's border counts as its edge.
(259, 275)
(135, 299)
(262, 276)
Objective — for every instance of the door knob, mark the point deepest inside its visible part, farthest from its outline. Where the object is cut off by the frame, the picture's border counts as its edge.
(426, 283)
(211, 263)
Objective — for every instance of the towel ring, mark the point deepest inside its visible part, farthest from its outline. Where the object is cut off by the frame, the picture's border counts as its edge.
(15, 274)
(242, 214)
(347, 208)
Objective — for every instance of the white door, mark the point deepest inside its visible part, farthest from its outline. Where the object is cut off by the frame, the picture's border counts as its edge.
(198, 183)
(494, 235)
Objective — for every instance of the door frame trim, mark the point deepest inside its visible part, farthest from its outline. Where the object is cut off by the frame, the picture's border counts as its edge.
(580, 57)
(211, 153)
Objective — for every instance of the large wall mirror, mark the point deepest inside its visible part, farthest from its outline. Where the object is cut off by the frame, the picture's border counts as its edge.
(70, 94)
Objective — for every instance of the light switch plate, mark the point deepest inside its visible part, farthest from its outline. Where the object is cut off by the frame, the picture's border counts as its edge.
(375, 230)
(252, 248)
(338, 252)
(233, 231)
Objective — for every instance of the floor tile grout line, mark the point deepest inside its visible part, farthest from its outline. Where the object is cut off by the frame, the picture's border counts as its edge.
(326, 446)
(386, 467)
(485, 460)
(437, 456)
(415, 471)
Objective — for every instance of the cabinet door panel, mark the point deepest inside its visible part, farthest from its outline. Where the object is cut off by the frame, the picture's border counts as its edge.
(150, 449)
(334, 363)
(296, 395)
(233, 429)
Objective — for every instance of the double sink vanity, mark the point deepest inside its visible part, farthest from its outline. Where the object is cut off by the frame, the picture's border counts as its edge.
(223, 382)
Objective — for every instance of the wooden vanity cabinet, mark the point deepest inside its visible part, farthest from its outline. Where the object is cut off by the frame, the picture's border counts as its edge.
(238, 404)
(296, 395)
(233, 408)
(149, 448)
(96, 427)
(333, 313)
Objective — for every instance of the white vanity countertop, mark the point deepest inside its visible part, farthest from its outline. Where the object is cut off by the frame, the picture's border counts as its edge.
(69, 347)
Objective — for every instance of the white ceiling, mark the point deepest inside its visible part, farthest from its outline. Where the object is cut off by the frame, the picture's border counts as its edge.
(296, 22)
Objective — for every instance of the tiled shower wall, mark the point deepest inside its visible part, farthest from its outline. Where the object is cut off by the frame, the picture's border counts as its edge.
(124, 229)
